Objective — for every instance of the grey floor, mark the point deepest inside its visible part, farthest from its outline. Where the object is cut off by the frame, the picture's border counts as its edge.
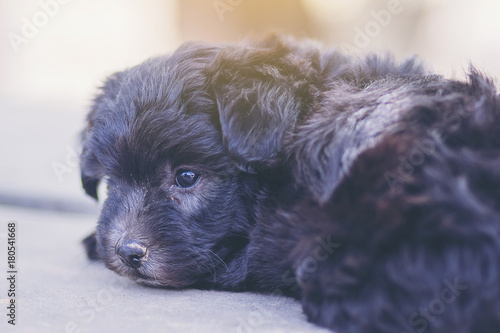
(59, 290)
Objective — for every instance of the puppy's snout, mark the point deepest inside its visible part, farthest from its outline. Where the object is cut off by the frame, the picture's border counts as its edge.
(132, 253)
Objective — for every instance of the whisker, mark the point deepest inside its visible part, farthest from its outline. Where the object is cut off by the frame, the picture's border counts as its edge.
(220, 259)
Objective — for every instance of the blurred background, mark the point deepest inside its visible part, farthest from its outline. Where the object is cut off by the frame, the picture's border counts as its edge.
(55, 53)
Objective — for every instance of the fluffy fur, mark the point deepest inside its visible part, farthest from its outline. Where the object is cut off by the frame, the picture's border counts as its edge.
(368, 188)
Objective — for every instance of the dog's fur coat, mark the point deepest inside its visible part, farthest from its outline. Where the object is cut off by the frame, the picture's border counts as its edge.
(369, 189)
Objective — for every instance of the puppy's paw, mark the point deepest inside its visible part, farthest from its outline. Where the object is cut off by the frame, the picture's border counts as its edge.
(352, 292)
(90, 244)
(345, 305)
(331, 295)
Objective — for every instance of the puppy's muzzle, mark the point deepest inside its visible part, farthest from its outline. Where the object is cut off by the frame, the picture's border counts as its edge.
(132, 253)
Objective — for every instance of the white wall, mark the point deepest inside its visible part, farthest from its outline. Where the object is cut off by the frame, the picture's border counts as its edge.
(46, 83)
(78, 45)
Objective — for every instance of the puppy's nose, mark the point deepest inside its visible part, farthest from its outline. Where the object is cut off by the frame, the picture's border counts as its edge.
(131, 253)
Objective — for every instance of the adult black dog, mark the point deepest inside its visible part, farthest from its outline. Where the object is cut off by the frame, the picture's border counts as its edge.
(369, 189)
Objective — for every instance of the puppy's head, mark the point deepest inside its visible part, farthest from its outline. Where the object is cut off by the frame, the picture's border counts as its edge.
(184, 144)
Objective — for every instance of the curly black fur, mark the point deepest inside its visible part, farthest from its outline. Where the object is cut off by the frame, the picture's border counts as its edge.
(368, 188)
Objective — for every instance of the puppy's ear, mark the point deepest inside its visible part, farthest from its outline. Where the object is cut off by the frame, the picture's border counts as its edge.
(90, 244)
(90, 175)
(261, 92)
(91, 170)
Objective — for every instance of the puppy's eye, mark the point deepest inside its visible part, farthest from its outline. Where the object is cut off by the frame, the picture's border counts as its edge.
(186, 178)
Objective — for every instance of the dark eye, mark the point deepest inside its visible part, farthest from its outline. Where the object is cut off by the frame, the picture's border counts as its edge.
(186, 178)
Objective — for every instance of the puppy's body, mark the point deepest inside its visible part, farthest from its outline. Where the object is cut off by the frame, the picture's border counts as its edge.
(364, 187)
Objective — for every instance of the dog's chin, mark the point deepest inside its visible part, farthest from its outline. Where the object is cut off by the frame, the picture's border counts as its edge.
(148, 276)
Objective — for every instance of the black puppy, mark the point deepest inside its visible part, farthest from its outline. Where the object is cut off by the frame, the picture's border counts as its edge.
(368, 188)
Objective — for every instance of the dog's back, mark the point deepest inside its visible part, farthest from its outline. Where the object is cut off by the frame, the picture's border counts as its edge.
(408, 169)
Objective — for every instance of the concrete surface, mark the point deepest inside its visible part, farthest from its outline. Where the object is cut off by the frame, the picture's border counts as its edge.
(59, 290)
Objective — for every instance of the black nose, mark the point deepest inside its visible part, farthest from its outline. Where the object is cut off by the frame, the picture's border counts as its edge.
(131, 253)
